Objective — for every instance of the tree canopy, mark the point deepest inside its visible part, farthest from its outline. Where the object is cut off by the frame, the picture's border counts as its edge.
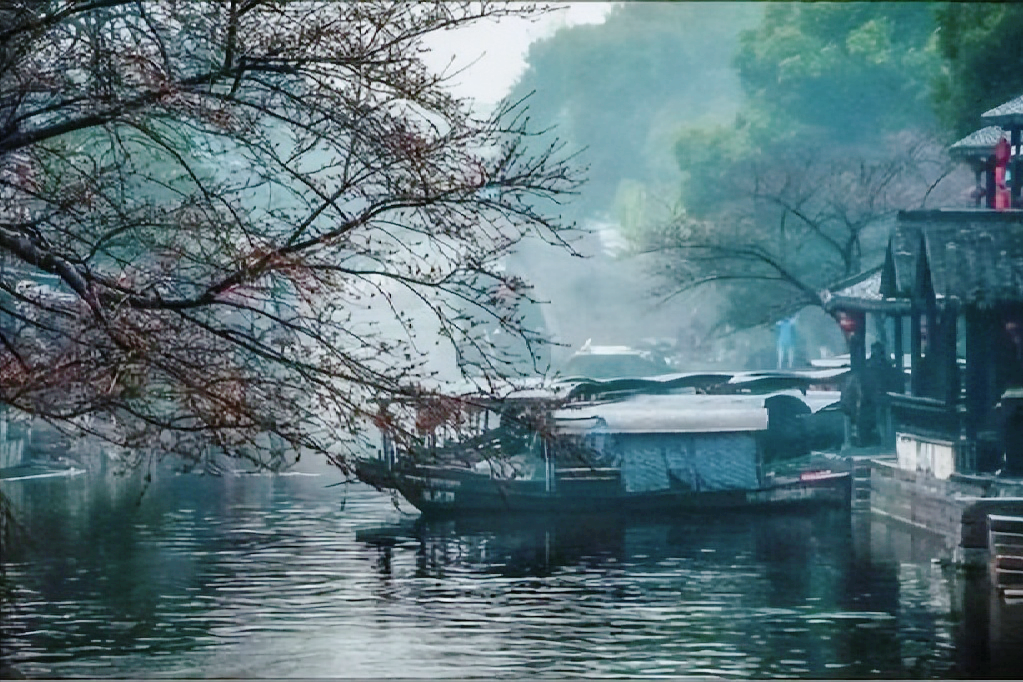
(836, 131)
(760, 126)
(780, 228)
(851, 71)
(618, 89)
(238, 224)
(982, 49)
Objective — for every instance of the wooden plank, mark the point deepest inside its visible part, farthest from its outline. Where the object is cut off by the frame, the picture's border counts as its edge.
(1009, 563)
(1005, 524)
(1009, 572)
(1006, 517)
(1005, 577)
(1005, 538)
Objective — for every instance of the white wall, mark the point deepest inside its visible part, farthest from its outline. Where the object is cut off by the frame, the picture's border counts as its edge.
(925, 455)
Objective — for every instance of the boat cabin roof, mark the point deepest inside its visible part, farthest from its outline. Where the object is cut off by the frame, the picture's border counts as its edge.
(678, 413)
(678, 387)
(760, 381)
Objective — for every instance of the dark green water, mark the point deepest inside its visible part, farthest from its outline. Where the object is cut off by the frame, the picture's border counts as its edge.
(262, 576)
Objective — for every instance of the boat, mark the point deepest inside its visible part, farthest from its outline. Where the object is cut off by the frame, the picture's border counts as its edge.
(686, 442)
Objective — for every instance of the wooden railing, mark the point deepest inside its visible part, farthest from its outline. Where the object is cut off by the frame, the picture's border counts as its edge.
(925, 417)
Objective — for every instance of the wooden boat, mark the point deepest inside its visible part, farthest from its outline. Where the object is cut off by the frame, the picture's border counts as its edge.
(678, 443)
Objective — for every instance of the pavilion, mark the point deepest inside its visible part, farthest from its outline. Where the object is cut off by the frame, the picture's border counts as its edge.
(949, 299)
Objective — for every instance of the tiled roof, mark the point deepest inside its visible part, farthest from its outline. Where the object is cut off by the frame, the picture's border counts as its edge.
(863, 285)
(867, 286)
(976, 265)
(973, 256)
(978, 144)
(1010, 113)
(862, 292)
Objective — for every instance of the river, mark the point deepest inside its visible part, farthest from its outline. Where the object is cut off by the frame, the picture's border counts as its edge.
(291, 576)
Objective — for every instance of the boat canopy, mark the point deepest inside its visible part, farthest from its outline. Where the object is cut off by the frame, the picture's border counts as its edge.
(659, 384)
(762, 382)
(810, 376)
(668, 413)
(772, 381)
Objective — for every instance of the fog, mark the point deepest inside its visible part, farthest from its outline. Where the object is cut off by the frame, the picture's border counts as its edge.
(625, 84)
(603, 295)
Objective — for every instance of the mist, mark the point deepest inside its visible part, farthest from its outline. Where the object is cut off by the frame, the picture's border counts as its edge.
(681, 114)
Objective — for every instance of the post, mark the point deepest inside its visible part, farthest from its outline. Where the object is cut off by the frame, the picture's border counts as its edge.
(989, 182)
(858, 342)
(928, 372)
(1017, 166)
(898, 344)
(916, 344)
(978, 363)
(548, 469)
(950, 335)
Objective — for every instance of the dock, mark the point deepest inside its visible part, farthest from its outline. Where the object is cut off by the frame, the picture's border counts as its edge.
(979, 517)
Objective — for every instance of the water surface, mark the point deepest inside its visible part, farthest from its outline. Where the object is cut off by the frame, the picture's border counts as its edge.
(283, 576)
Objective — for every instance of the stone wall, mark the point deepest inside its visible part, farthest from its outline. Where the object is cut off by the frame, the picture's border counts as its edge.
(955, 509)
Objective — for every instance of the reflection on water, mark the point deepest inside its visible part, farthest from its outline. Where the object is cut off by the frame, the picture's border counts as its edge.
(274, 576)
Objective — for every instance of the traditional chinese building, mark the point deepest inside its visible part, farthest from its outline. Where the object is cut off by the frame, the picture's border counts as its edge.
(948, 304)
(946, 312)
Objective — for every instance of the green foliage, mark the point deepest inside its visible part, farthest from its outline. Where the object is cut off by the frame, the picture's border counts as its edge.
(709, 157)
(616, 88)
(831, 127)
(850, 70)
(786, 197)
(825, 78)
(981, 45)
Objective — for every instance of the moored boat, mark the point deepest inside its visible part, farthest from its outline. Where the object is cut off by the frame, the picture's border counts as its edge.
(680, 443)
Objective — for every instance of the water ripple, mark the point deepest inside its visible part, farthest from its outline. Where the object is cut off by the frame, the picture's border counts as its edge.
(263, 576)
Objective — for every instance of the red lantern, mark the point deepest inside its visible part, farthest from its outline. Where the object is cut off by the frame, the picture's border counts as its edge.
(848, 323)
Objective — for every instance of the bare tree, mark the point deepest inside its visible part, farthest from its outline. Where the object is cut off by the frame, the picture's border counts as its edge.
(790, 224)
(219, 219)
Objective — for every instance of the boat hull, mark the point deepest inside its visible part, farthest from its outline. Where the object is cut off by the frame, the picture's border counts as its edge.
(445, 491)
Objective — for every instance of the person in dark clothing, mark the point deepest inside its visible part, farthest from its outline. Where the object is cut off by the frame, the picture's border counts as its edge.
(863, 396)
